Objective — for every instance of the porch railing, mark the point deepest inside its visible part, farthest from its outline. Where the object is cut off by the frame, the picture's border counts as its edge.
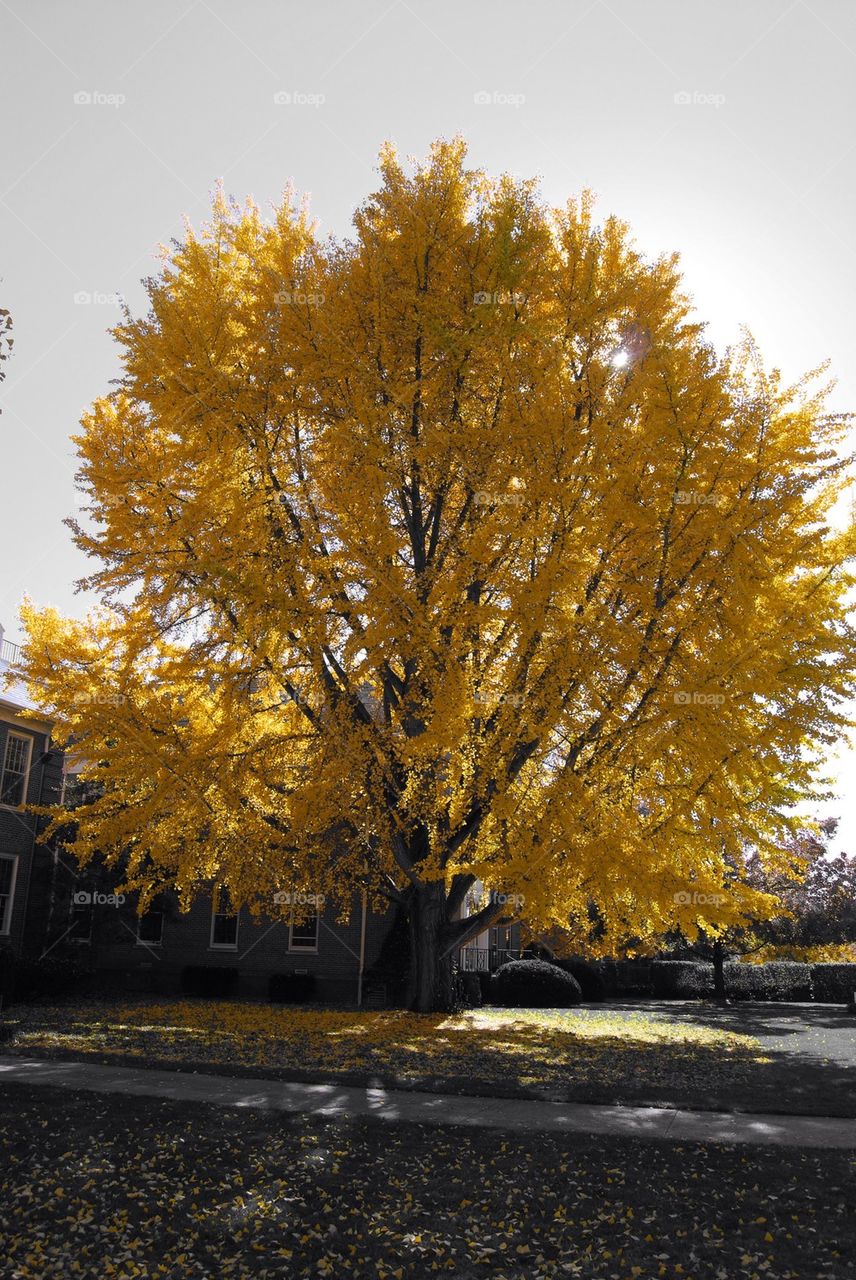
(485, 959)
(9, 652)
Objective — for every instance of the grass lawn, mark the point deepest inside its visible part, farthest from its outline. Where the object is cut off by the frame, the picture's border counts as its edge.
(591, 1053)
(107, 1186)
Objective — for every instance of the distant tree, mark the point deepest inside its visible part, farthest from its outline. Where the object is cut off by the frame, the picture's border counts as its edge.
(6, 340)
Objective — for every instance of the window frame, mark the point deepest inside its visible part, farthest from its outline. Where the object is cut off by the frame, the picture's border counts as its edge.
(22, 736)
(301, 950)
(225, 915)
(147, 942)
(8, 911)
(90, 906)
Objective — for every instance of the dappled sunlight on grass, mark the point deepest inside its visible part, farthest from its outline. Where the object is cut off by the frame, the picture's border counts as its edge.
(495, 1046)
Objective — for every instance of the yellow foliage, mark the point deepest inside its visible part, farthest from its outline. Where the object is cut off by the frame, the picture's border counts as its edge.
(449, 554)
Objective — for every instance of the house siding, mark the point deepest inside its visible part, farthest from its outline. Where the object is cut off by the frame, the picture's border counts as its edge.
(19, 831)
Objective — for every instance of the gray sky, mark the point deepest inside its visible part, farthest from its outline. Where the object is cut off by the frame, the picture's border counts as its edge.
(723, 130)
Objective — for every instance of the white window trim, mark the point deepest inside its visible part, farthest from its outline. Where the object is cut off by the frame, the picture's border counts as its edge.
(222, 946)
(28, 738)
(6, 925)
(305, 951)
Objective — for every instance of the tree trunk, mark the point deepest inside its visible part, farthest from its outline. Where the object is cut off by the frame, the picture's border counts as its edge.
(718, 970)
(430, 986)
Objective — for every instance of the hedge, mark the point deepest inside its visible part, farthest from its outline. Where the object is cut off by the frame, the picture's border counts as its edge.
(534, 984)
(590, 981)
(833, 983)
(50, 979)
(291, 988)
(208, 980)
(681, 979)
(776, 980)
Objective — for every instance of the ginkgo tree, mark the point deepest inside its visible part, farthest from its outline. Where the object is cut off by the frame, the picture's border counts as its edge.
(448, 562)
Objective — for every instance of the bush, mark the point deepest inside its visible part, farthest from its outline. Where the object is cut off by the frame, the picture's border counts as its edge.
(681, 979)
(833, 983)
(50, 979)
(590, 981)
(291, 988)
(779, 980)
(7, 974)
(207, 980)
(534, 984)
(470, 990)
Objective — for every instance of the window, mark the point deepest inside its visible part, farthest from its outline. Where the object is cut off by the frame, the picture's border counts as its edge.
(150, 925)
(224, 921)
(80, 917)
(8, 871)
(16, 766)
(303, 932)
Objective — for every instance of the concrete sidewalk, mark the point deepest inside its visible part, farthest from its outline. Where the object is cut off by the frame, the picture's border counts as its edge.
(437, 1109)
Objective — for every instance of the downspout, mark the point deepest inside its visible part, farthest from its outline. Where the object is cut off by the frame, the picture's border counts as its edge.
(362, 952)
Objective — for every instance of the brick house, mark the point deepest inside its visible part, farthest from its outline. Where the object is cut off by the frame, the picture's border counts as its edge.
(30, 773)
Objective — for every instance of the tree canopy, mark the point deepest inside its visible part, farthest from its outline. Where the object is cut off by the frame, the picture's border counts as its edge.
(449, 559)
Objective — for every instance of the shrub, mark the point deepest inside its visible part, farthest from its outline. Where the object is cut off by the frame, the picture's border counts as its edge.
(207, 980)
(681, 979)
(485, 986)
(291, 988)
(471, 990)
(534, 984)
(7, 974)
(833, 983)
(590, 981)
(780, 980)
(50, 979)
